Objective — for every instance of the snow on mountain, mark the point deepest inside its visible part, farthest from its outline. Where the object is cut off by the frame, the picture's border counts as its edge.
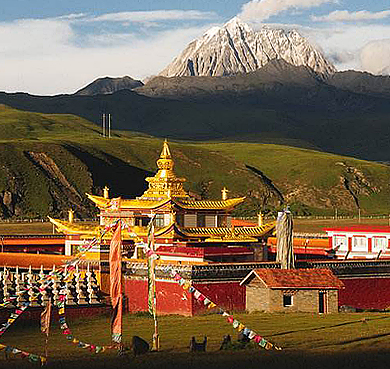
(235, 48)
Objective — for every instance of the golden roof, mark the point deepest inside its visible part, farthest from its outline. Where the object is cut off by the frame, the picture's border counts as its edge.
(119, 203)
(96, 230)
(101, 202)
(211, 234)
(209, 204)
(140, 203)
(76, 228)
(234, 232)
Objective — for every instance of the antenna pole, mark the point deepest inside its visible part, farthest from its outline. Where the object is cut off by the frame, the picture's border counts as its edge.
(109, 125)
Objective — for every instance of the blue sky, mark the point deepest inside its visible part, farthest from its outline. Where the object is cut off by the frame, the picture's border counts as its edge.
(52, 46)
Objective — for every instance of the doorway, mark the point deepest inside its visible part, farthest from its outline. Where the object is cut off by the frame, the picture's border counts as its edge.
(322, 302)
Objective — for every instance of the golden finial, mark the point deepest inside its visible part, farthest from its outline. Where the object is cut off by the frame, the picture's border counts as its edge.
(70, 215)
(165, 153)
(224, 193)
(260, 219)
(106, 192)
(165, 161)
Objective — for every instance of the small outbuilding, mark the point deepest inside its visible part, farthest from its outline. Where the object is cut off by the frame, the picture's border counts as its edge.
(292, 290)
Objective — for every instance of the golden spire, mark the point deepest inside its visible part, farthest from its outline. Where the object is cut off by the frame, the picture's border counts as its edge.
(106, 192)
(70, 216)
(165, 184)
(260, 221)
(224, 193)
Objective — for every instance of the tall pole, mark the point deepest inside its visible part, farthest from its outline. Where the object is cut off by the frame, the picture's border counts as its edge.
(152, 298)
(104, 124)
(109, 125)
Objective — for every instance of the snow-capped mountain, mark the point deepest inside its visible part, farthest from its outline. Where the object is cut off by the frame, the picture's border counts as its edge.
(235, 48)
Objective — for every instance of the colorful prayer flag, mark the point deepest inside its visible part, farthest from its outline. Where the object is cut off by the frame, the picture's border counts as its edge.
(116, 284)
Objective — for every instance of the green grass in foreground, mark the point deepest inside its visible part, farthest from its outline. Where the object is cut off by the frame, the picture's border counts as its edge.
(359, 338)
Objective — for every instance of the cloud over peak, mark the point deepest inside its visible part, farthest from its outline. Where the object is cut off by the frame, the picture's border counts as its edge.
(346, 16)
(259, 10)
(154, 15)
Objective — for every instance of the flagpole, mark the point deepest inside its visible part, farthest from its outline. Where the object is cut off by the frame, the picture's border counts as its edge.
(156, 339)
(152, 285)
(45, 325)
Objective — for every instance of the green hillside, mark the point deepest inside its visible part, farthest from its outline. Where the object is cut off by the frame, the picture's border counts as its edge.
(49, 161)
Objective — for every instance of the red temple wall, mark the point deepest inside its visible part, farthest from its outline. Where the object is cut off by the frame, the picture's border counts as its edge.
(173, 299)
(227, 295)
(365, 293)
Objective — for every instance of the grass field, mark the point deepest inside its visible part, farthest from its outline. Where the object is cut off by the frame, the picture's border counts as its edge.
(356, 340)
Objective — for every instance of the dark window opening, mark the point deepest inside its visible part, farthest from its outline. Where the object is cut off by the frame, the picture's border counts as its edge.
(201, 220)
(287, 300)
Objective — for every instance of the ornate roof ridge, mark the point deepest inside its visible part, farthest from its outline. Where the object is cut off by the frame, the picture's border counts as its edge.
(204, 204)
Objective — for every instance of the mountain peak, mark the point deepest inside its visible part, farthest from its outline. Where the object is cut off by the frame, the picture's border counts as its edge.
(236, 48)
(109, 85)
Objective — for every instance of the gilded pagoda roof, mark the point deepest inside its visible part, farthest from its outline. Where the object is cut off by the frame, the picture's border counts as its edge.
(209, 234)
(119, 203)
(139, 203)
(76, 228)
(95, 230)
(209, 204)
(224, 232)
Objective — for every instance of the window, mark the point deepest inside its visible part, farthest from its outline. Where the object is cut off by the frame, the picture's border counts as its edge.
(201, 220)
(359, 243)
(340, 242)
(189, 220)
(287, 300)
(159, 220)
(180, 219)
(222, 220)
(141, 221)
(379, 243)
(211, 221)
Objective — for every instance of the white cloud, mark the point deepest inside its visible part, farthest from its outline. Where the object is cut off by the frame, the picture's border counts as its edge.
(345, 15)
(154, 15)
(344, 43)
(45, 56)
(258, 10)
(375, 56)
(30, 37)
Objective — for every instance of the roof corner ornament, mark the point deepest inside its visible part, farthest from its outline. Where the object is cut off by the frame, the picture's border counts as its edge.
(224, 193)
(70, 215)
(106, 192)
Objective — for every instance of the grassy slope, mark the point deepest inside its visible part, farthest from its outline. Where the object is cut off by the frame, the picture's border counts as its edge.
(306, 338)
(89, 162)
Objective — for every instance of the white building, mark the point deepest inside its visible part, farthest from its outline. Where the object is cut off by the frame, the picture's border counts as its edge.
(360, 241)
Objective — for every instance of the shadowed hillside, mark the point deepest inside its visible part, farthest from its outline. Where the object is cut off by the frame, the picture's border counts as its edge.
(62, 157)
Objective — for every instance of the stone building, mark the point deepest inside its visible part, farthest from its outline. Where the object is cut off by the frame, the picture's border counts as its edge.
(292, 290)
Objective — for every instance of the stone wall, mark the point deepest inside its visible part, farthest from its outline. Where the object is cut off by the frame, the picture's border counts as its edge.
(261, 298)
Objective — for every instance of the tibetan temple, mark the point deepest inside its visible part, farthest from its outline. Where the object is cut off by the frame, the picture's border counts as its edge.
(189, 233)
(186, 230)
